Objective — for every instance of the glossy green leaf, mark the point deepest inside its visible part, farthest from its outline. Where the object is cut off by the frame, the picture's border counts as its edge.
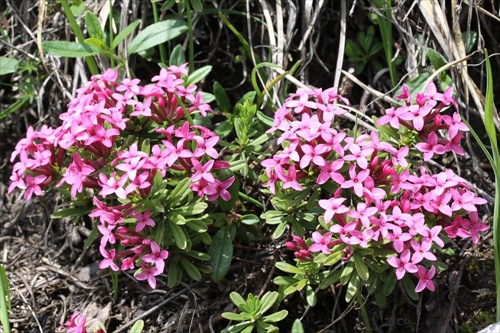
(332, 278)
(221, 253)
(157, 33)
(69, 49)
(361, 267)
(352, 287)
(238, 300)
(192, 209)
(311, 297)
(197, 5)
(236, 316)
(94, 233)
(250, 219)
(138, 327)
(177, 57)
(409, 286)
(179, 192)
(198, 75)
(284, 280)
(297, 327)
(125, 33)
(190, 269)
(221, 97)
(390, 282)
(8, 65)
(286, 267)
(179, 235)
(346, 273)
(275, 317)
(268, 301)
(280, 229)
(66, 212)
(198, 226)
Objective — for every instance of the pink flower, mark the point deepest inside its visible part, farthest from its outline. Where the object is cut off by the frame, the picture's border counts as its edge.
(76, 323)
(148, 273)
(321, 242)
(143, 220)
(108, 260)
(157, 256)
(425, 279)
(403, 264)
(430, 147)
(333, 206)
(75, 174)
(363, 213)
(219, 189)
(202, 171)
(348, 233)
(357, 179)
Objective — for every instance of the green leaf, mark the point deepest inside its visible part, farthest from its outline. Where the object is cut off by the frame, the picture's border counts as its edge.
(389, 283)
(179, 235)
(77, 8)
(73, 212)
(93, 26)
(179, 192)
(275, 317)
(352, 287)
(198, 255)
(198, 75)
(157, 33)
(8, 65)
(268, 301)
(238, 300)
(138, 327)
(284, 280)
(436, 59)
(469, 37)
(236, 316)
(280, 229)
(197, 5)
(174, 274)
(125, 33)
(221, 253)
(190, 269)
(410, 287)
(346, 273)
(311, 296)
(177, 57)
(221, 97)
(361, 267)
(286, 267)
(297, 327)
(330, 279)
(92, 237)
(96, 42)
(380, 298)
(333, 258)
(69, 49)
(265, 119)
(192, 209)
(198, 226)
(250, 219)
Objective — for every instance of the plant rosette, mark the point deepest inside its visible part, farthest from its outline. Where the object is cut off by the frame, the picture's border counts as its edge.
(132, 156)
(363, 208)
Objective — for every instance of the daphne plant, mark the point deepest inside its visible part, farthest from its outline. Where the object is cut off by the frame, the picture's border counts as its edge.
(364, 210)
(252, 313)
(132, 157)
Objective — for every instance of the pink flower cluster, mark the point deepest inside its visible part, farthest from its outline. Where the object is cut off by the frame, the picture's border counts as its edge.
(104, 135)
(379, 198)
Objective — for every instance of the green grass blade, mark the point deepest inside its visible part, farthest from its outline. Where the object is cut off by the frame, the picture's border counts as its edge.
(4, 300)
(491, 131)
